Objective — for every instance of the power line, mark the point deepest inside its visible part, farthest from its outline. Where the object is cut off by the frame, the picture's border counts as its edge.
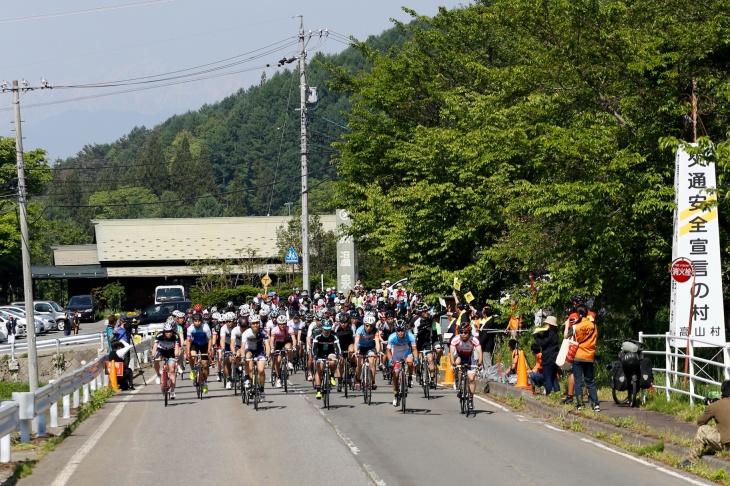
(84, 11)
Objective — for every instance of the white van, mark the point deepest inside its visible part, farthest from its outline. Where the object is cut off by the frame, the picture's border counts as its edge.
(169, 293)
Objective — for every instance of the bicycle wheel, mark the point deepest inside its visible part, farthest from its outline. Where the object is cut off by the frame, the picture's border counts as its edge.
(367, 390)
(165, 386)
(285, 373)
(403, 387)
(620, 397)
(426, 383)
(346, 375)
(463, 387)
(634, 396)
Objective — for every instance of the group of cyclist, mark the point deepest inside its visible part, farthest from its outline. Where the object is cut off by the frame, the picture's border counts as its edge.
(317, 335)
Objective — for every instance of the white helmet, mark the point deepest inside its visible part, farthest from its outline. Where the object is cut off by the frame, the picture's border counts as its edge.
(281, 319)
(214, 309)
(167, 327)
(254, 318)
(368, 319)
(216, 316)
(243, 309)
(274, 311)
(265, 310)
(177, 313)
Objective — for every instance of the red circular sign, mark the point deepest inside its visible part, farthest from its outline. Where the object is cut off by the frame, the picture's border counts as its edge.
(681, 270)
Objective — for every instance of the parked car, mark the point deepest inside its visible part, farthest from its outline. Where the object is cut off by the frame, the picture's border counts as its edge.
(50, 310)
(20, 315)
(157, 313)
(86, 304)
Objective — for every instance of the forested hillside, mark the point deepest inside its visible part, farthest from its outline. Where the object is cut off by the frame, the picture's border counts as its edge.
(237, 157)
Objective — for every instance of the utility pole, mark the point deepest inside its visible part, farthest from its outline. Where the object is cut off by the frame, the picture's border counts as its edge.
(694, 110)
(303, 125)
(25, 248)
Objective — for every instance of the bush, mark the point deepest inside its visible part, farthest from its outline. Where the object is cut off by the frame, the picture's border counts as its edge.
(239, 295)
(8, 387)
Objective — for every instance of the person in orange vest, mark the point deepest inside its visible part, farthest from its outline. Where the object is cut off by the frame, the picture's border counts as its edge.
(535, 376)
(577, 300)
(515, 319)
(584, 331)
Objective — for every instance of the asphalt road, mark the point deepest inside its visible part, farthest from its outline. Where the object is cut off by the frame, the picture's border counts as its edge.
(134, 439)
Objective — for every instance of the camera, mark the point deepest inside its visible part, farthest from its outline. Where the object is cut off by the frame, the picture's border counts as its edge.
(712, 397)
(710, 400)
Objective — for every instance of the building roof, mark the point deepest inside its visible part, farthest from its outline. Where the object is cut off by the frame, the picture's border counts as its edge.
(75, 255)
(68, 271)
(182, 239)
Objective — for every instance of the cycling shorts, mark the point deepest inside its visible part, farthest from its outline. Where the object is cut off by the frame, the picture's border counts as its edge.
(278, 346)
(467, 360)
(346, 341)
(226, 347)
(366, 351)
(165, 353)
(200, 348)
(256, 353)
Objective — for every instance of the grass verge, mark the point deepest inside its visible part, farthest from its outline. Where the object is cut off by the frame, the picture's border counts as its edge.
(43, 446)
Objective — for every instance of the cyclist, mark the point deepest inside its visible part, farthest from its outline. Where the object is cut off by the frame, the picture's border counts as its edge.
(462, 350)
(167, 347)
(180, 328)
(325, 347)
(199, 341)
(299, 328)
(423, 329)
(385, 329)
(346, 335)
(367, 343)
(315, 329)
(225, 349)
(282, 339)
(236, 338)
(401, 345)
(255, 346)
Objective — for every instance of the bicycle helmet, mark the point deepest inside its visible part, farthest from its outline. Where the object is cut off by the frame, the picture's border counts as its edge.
(308, 317)
(197, 317)
(326, 324)
(305, 293)
(354, 315)
(274, 312)
(369, 320)
(254, 318)
(389, 314)
(281, 319)
(577, 298)
(265, 310)
(466, 328)
(216, 316)
(170, 319)
(319, 314)
(342, 317)
(178, 313)
(214, 309)
(400, 325)
(229, 304)
(197, 308)
(167, 327)
(243, 308)
(422, 307)
(230, 316)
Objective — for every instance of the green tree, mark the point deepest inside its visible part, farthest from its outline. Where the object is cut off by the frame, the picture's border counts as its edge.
(151, 169)
(207, 207)
(125, 203)
(322, 245)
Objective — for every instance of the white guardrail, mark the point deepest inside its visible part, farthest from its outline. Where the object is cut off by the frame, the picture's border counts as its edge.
(56, 343)
(697, 366)
(29, 411)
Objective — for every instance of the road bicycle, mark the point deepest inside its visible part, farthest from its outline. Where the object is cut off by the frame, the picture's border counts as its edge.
(327, 381)
(401, 367)
(165, 383)
(425, 379)
(464, 394)
(198, 370)
(284, 372)
(366, 381)
(254, 393)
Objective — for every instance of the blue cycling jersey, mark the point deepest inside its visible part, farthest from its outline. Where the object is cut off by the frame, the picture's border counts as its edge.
(401, 347)
(367, 339)
(199, 335)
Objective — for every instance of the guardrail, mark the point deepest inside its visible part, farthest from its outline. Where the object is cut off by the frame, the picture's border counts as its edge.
(56, 343)
(697, 366)
(27, 410)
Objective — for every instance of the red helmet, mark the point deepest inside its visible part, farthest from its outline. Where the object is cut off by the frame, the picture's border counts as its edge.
(197, 308)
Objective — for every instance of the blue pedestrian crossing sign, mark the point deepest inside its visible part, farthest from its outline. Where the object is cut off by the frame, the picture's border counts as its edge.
(291, 256)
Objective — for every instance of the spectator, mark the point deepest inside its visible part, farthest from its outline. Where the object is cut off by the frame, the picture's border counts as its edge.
(119, 354)
(11, 327)
(547, 339)
(515, 319)
(515, 355)
(535, 376)
(111, 324)
(709, 438)
(486, 338)
(585, 332)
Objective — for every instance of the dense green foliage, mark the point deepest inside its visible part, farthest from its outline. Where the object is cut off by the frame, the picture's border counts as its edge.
(514, 136)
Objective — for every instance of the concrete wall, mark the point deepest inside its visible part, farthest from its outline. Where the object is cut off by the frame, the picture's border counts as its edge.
(47, 368)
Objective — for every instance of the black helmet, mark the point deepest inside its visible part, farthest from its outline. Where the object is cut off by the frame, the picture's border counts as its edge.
(389, 314)
(354, 315)
(342, 317)
(578, 298)
(197, 316)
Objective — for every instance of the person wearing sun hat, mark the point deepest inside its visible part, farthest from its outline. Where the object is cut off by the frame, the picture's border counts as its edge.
(547, 338)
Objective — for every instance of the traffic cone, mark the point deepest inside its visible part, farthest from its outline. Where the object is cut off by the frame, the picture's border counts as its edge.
(113, 377)
(522, 381)
(448, 374)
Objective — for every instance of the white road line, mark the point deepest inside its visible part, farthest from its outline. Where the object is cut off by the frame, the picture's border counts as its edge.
(494, 404)
(80, 454)
(646, 463)
(556, 429)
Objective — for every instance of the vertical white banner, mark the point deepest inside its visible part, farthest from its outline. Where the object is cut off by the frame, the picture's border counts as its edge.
(346, 253)
(697, 238)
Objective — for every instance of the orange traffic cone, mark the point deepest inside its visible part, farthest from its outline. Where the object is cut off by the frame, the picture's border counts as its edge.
(522, 381)
(113, 376)
(448, 374)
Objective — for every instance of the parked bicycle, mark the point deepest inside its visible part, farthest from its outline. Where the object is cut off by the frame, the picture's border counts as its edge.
(631, 374)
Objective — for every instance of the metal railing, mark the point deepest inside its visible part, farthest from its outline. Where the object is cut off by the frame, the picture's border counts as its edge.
(27, 411)
(56, 343)
(697, 369)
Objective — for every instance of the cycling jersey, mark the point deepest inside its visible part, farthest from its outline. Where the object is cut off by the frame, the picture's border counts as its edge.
(464, 349)
(199, 335)
(236, 334)
(401, 347)
(296, 326)
(254, 342)
(346, 334)
(366, 340)
(226, 334)
(166, 345)
(323, 346)
(314, 331)
(385, 330)
(282, 335)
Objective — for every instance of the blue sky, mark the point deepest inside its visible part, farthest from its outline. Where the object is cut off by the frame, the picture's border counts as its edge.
(81, 42)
